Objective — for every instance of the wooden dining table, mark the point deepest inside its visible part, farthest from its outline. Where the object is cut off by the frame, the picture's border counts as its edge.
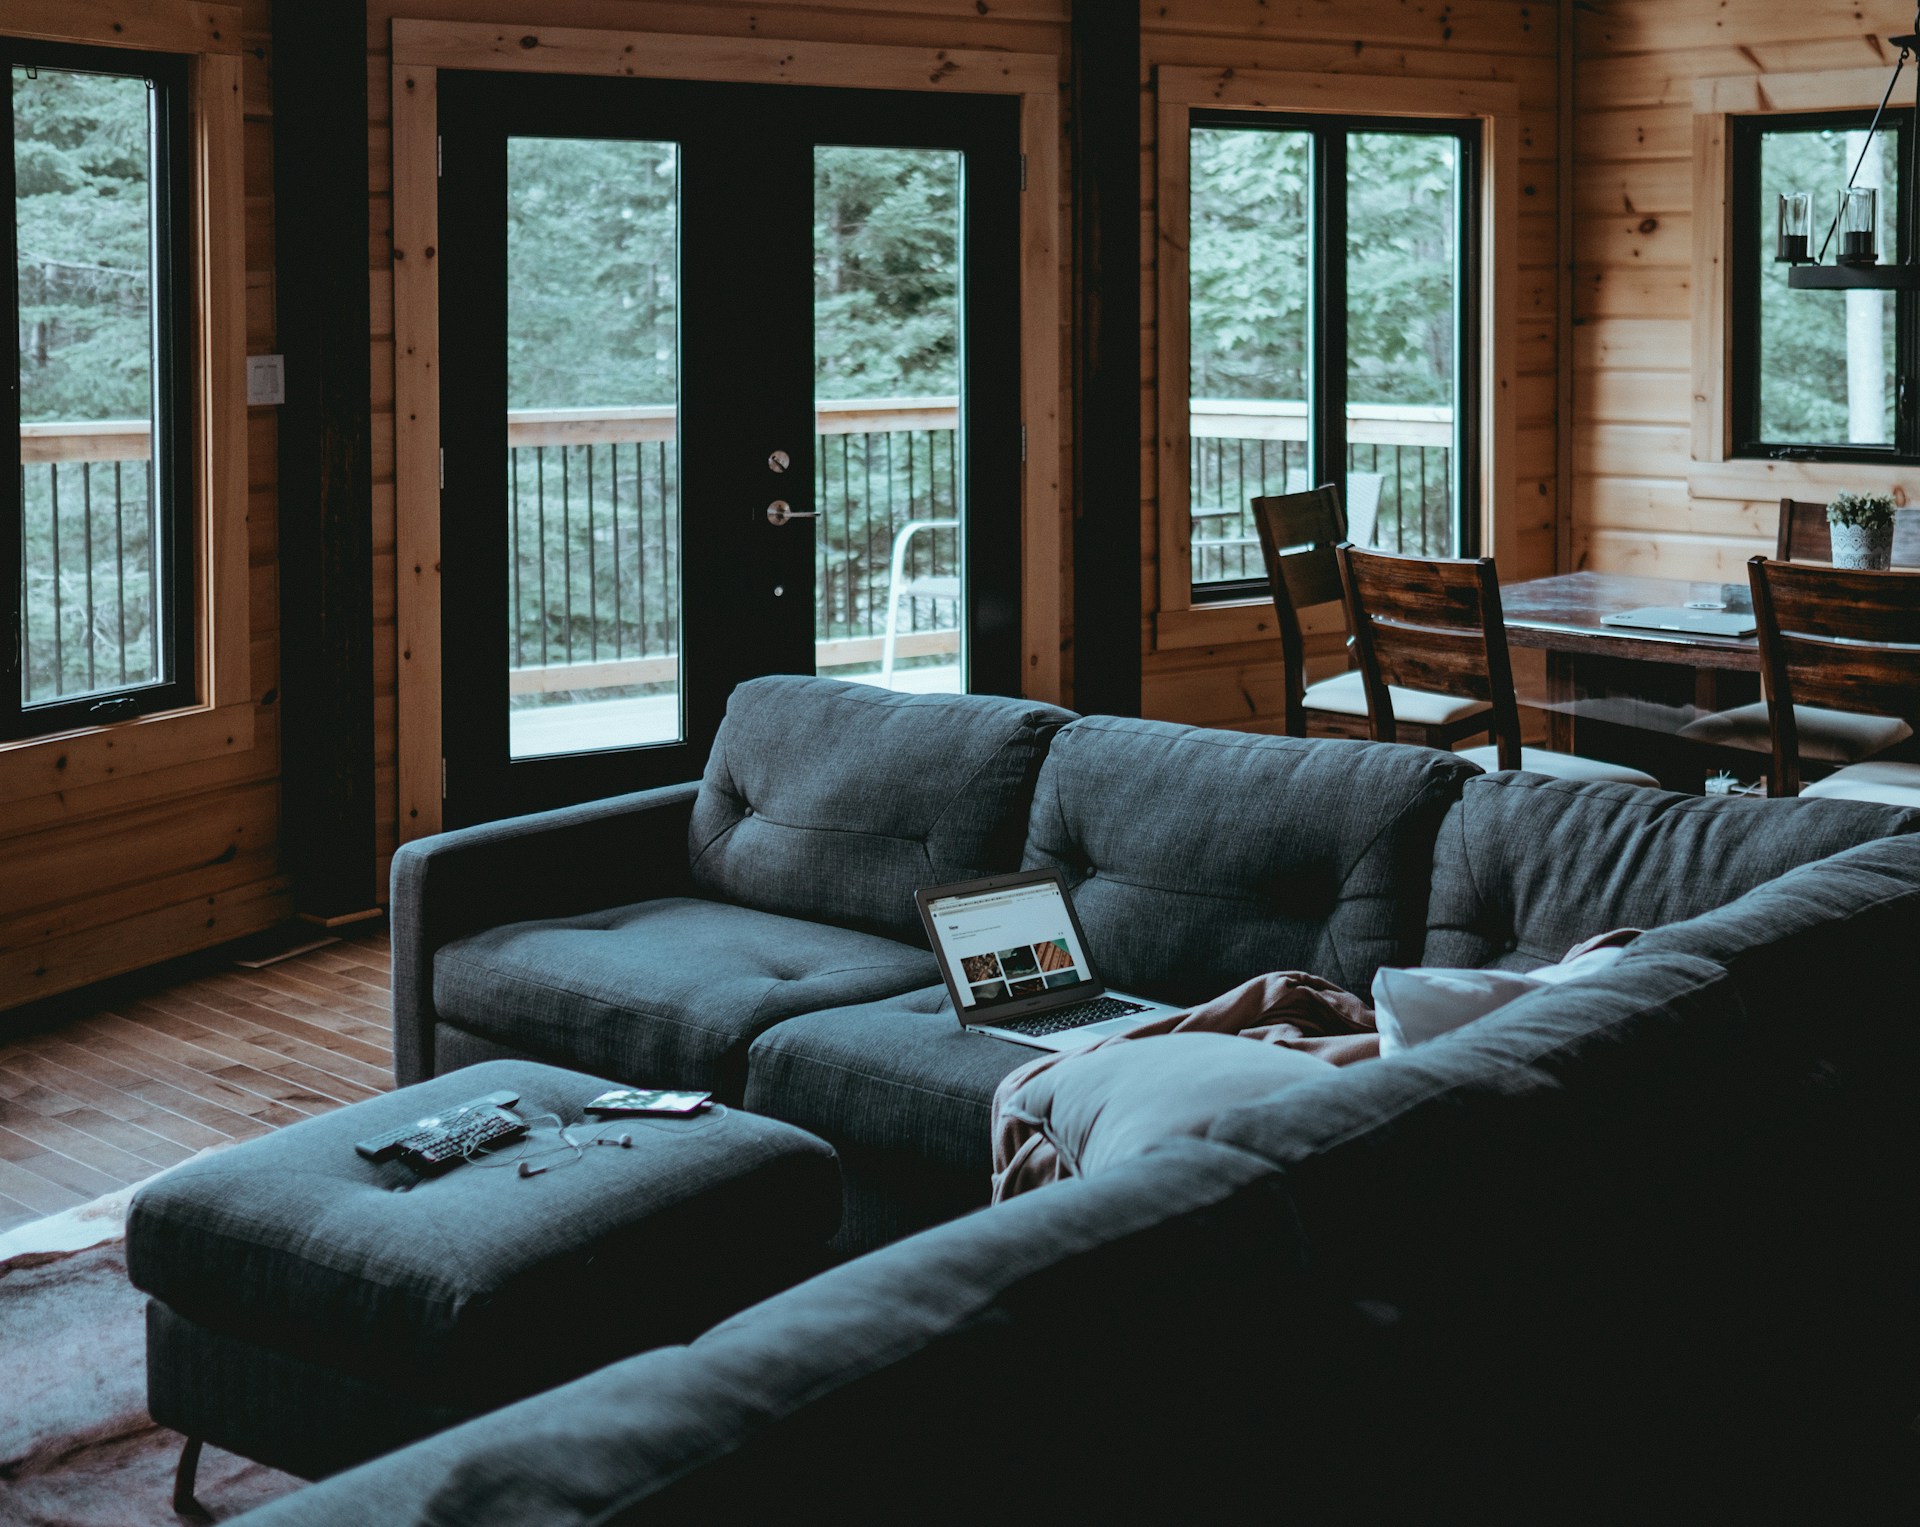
(1623, 694)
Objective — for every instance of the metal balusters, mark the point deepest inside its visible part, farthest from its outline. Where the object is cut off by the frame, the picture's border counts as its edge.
(540, 513)
(120, 570)
(619, 631)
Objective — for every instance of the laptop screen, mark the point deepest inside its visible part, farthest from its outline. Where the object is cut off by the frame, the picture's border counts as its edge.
(1009, 944)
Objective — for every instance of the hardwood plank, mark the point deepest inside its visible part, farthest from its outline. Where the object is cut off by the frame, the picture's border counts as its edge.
(189, 1102)
(56, 1171)
(190, 1066)
(271, 1032)
(175, 1128)
(240, 1050)
(37, 1193)
(114, 1130)
(62, 1139)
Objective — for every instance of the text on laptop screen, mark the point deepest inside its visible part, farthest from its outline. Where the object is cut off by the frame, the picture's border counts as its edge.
(1007, 946)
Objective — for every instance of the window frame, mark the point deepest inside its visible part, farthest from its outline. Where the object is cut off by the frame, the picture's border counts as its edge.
(1328, 356)
(219, 722)
(1746, 347)
(172, 443)
(1178, 622)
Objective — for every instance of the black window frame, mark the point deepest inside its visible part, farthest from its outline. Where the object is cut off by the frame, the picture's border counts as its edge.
(1747, 351)
(172, 438)
(1327, 304)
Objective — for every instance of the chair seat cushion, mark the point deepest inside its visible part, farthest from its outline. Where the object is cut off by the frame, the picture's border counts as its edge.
(1897, 784)
(897, 1075)
(665, 993)
(480, 1277)
(1346, 695)
(1832, 736)
(1560, 766)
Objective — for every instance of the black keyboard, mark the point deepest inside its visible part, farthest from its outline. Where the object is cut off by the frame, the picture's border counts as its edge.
(434, 1150)
(1094, 1010)
(418, 1131)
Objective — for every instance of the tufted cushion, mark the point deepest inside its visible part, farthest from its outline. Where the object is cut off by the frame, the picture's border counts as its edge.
(1526, 867)
(837, 802)
(1201, 858)
(665, 993)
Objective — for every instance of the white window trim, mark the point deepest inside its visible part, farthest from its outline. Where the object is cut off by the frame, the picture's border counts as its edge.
(1179, 622)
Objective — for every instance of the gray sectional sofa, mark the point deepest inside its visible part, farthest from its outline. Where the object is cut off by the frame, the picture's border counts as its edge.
(1635, 1247)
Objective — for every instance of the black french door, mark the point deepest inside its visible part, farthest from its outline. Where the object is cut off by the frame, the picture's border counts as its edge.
(730, 382)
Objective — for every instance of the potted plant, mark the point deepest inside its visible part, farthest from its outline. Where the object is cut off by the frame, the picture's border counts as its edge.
(1861, 526)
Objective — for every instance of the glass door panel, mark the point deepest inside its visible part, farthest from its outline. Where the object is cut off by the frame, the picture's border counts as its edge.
(593, 500)
(1404, 340)
(889, 445)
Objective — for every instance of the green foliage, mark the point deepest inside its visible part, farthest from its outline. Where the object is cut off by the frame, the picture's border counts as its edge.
(81, 166)
(1251, 231)
(1869, 511)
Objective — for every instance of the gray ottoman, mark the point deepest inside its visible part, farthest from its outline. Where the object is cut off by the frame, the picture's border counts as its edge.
(307, 1315)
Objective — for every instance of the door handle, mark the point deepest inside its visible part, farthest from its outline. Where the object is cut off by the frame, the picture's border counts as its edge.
(780, 511)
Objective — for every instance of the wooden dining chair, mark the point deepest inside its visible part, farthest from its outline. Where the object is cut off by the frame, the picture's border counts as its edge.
(1436, 624)
(1850, 640)
(1298, 534)
(1826, 736)
(1804, 537)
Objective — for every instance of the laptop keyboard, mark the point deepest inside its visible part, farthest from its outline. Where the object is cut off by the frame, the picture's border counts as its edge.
(1094, 1010)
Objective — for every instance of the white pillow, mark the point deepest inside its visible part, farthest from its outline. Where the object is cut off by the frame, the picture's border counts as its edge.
(1412, 1006)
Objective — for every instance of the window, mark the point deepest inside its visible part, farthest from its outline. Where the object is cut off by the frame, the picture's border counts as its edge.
(1817, 371)
(98, 574)
(1332, 272)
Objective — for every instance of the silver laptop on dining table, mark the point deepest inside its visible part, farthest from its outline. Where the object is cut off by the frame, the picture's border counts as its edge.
(1016, 963)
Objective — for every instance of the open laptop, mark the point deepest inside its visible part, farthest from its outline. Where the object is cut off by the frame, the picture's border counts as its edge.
(1016, 963)
(1673, 617)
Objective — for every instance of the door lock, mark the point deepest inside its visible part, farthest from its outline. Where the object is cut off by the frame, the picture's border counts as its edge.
(780, 511)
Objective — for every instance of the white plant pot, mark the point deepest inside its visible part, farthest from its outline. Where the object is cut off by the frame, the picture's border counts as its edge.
(1860, 547)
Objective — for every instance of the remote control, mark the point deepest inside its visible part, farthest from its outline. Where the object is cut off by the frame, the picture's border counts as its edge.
(385, 1146)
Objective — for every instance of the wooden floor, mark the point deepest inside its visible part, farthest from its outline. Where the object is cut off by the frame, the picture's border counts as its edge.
(142, 1074)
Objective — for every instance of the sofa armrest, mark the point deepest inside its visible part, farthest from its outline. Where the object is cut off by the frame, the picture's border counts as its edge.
(553, 864)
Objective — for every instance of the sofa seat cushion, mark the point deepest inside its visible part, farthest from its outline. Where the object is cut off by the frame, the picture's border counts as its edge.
(1833, 736)
(664, 993)
(837, 802)
(1527, 867)
(1199, 859)
(1345, 694)
(895, 1075)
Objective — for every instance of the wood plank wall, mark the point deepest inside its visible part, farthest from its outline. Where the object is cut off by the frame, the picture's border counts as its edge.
(1640, 503)
(1510, 40)
(123, 873)
(1027, 26)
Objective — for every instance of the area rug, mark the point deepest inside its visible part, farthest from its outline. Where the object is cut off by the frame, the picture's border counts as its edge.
(77, 1448)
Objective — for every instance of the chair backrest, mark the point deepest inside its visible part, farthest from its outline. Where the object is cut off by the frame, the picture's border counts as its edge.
(1833, 637)
(1298, 534)
(1435, 624)
(1804, 536)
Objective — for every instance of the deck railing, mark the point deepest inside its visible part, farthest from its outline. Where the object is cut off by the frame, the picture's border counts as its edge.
(593, 506)
(87, 573)
(1399, 487)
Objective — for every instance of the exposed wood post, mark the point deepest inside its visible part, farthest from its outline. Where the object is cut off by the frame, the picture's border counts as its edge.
(326, 454)
(1563, 297)
(1106, 361)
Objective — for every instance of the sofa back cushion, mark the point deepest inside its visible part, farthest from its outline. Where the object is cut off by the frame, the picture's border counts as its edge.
(1200, 858)
(836, 802)
(1526, 866)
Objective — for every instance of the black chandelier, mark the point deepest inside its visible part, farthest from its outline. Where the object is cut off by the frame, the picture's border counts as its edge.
(1857, 261)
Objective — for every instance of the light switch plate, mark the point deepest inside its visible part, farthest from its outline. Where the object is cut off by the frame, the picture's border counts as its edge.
(266, 380)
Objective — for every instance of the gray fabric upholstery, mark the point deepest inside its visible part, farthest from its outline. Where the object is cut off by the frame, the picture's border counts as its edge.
(893, 1388)
(297, 1414)
(604, 854)
(837, 802)
(899, 1074)
(665, 993)
(1526, 867)
(1201, 858)
(294, 1241)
